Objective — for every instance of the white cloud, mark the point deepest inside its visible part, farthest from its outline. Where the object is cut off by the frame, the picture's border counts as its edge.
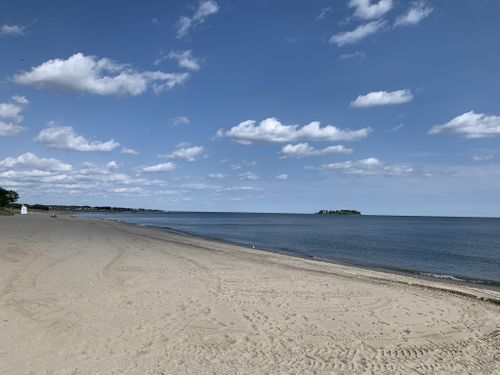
(185, 153)
(248, 176)
(414, 15)
(205, 9)
(382, 98)
(283, 176)
(10, 111)
(302, 150)
(324, 12)
(31, 174)
(481, 157)
(358, 34)
(91, 168)
(163, 167)
(397, 127)
(471, 125)
(199, 186)
(217, 175)
(129, 151)
(367, 167)
(125, 190)
(112, 165)
(9, 128)
(271, 130)
(10, 116)
(244, 163)
(185, 59)
(366, 10)
(12, 30)
(354, 55)
(65, 138)
(31, 160)
(21, 100)
(179, 121)
(88, 74)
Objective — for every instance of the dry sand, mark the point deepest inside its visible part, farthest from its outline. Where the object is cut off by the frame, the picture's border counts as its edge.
(92, 297)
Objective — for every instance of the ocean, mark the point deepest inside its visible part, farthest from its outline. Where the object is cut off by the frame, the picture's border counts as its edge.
(459, 249)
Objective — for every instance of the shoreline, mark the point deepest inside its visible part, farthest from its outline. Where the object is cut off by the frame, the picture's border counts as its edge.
(416, 278)
(80, 296)
(420, 275)
(377, 274)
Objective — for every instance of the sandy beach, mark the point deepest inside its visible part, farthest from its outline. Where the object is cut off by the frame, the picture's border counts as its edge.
(82, 296)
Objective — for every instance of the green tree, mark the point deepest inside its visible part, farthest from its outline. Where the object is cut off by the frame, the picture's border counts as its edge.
(7, 197)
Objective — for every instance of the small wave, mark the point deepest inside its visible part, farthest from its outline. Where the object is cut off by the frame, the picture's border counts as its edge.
(440, 276)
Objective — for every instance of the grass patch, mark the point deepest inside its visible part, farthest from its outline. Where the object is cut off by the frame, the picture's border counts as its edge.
(6, 212)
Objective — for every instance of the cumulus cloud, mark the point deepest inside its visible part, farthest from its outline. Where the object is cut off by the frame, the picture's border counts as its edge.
(470, 125)
(163, 167)
(179, 121)
(66, 138)
(31, 174)
(272, 130)
(358, 34)
(9, 128)
(21, 100)
(205, 9)
(283, 176)
(185, 153)
(382, 98)
(414, 15)
(31, 160)
(11, 116)
(129, 151)
(367, 167)
(185, 59)
(12, 30)
(302, 150)
(248, 176)
(91, 75)
(366, 10)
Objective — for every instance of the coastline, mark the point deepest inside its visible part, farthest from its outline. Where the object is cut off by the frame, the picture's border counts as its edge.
(419, 275)
(81, 296)
(406, 277)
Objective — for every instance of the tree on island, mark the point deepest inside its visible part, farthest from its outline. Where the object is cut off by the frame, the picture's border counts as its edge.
(339, 212)
(8, 197)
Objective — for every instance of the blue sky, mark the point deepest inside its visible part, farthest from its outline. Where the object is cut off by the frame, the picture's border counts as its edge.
(389, 106)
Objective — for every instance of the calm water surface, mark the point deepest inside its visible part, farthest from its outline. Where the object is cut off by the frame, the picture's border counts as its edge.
(462, 248)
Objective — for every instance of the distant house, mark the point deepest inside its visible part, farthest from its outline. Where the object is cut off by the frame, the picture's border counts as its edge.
(24, 210)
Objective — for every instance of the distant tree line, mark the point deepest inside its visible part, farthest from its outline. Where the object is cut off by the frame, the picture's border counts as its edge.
(99, 208)
(339, 212)
(8, 199)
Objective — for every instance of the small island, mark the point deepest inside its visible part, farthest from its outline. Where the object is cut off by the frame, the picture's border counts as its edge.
(339, 212)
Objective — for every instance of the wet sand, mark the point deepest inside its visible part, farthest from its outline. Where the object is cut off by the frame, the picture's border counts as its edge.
(82, 296)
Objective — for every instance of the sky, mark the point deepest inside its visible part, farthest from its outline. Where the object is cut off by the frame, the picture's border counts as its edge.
(389, 107)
